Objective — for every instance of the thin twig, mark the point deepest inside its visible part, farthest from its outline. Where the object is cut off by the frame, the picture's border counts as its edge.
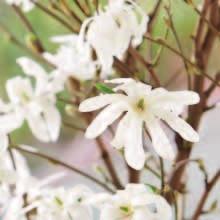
(205, 195)
(148, 65)
(108, 162)
(155, 173)
(27, 24)
(134, 175)
(162, 174)
(212, 27)
(72, 126)
(54, 15)
(65, 165)
(160, 41)
(173, 29)
(22, 46)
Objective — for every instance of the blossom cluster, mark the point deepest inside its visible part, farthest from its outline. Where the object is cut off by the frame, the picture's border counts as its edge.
(26, 197)
(140, 110)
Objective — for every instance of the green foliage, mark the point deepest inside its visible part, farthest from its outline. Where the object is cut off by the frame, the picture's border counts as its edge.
(104, 88)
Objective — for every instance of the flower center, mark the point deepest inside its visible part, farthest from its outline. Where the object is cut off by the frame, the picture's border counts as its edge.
(140, 104)
(58, 201)
(127, 210)
(24, 98)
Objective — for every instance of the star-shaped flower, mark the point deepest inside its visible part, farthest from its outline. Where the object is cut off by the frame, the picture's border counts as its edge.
(141, 106)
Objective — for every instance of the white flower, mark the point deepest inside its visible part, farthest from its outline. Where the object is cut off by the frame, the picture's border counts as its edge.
(36, 104)
(111, 31)
(136, 202)
(10, 177)
(141, 106)
(73, 59)
(26, 5)
(9, 121)
(64, 204)
(14, 209)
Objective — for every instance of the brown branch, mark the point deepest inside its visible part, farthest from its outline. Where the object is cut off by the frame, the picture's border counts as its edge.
(209, 187)
(37, 42)
(82, 8)
(108, 162)
(68, 11)
(213, 86)
(153, 15)
(202, 55)
(204, 19)
(161, 41)
(123, 68)
(162, 174)
(148, 65)
(175, 34)
(54, 15)
(22, 46)
(133, 175)
(154, 172)
(65, 165)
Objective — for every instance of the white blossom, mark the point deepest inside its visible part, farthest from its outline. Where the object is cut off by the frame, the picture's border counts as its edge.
(36, 104)
(141, 106)
(9, 121)
(111, 31)
(11, 177)
(72, 58)
(26, 5)
(135, 202)
(65, 204)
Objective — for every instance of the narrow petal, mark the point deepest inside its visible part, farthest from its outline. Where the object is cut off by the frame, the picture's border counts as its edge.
(159, 139)
(98, 102)
(119, 140)
(9, 122)
(179, 98)
(148, 201)
(111, 213)
(19, 89)
(53, 120)
(134, 152)
(30, 67)
(38, 127)
(131, 87)
(33, 69)
(104, 119)
(3, 142)
(181, 127)
(119, 80)
(68, 38)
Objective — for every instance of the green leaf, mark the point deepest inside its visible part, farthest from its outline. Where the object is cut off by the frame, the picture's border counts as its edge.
(103, 88)
(154, 189)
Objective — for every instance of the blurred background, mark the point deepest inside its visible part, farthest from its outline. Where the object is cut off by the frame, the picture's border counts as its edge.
(72, 146)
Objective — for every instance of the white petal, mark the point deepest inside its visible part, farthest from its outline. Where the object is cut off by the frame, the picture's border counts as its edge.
(119, 80)
(159, 139)
(3, 142)
(68, 38)
(104, 119)
(19, 88)
(134, 152)
(53, 120)
(111, 213)
(98, 102)
(164, 210)
(33, 69)
(38, 127)
(178, 98)
(181, 127)
(119, 140)
(10, 121)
